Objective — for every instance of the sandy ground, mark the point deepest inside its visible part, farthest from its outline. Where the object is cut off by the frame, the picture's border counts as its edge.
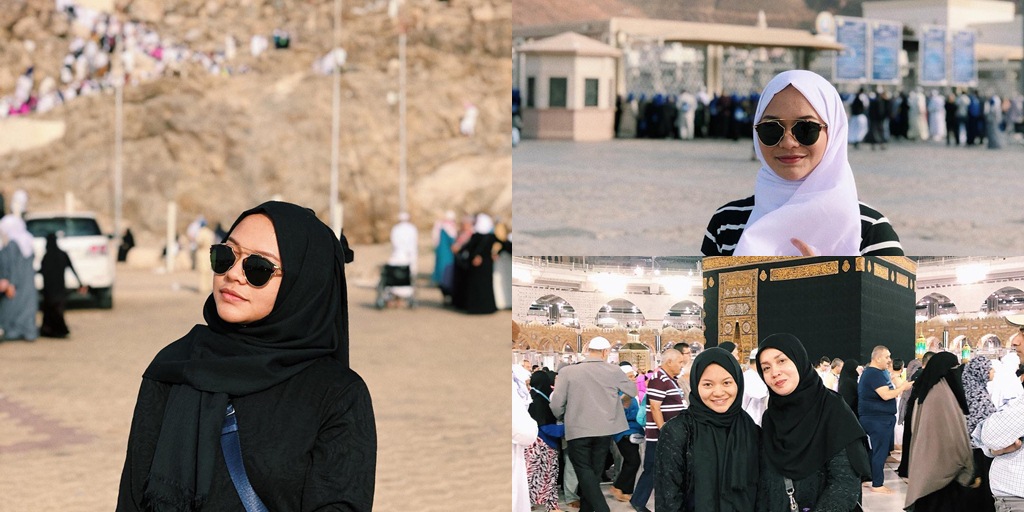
(442, 418)
(655, 197)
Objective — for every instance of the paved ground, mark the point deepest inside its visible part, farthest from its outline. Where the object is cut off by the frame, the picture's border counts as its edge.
(655, 197)
(442, 417)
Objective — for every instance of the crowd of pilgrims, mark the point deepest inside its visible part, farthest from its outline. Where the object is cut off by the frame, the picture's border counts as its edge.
(777, 443)
(87, 67)
(473, 262)
(876, 117)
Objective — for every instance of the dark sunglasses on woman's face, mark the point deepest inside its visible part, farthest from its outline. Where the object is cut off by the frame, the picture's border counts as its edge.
(257, 269)
(804, 131)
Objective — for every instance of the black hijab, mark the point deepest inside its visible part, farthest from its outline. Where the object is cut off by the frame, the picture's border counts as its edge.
(848, 383)
(806, 428)
(214, 362)
(540, 390)
(941, 366)
(52, 268)
(725, 445)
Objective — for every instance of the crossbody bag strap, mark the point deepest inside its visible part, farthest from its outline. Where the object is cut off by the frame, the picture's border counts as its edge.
(233, 457)
(790, 492)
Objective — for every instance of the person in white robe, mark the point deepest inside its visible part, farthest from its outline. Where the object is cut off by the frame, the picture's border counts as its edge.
(524, 434)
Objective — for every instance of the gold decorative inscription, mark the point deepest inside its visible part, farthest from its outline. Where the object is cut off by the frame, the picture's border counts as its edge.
(881, 272)
(827, 268)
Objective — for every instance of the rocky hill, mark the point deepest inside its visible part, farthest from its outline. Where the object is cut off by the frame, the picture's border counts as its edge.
(217, 144)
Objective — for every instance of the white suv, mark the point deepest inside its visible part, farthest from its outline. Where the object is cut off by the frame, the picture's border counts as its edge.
(79, 235)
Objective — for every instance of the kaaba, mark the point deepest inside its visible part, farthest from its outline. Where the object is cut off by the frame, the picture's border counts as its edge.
(838, 307)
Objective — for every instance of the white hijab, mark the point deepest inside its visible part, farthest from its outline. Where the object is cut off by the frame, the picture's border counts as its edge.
(484, 224)
(13, 229)
(822, 209)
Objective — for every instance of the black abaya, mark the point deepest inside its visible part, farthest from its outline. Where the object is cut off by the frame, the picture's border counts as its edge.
(55, 293)
(308, 444)
(479, 282)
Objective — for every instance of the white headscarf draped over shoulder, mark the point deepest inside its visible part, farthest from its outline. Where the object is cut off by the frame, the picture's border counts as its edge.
(13, 229)
(822, 209)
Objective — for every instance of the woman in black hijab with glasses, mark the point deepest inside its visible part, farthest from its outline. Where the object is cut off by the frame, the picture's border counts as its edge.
(708, 454)
(266, 381)
(813, 443)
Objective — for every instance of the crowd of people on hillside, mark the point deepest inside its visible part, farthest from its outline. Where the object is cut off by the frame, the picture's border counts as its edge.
(88, 65)
(876, 117)
(775, 431)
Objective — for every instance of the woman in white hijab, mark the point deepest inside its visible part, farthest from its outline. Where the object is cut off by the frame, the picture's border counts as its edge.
(805, 198)
(20, 301)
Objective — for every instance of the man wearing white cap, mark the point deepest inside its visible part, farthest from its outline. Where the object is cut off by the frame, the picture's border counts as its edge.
(586, 396)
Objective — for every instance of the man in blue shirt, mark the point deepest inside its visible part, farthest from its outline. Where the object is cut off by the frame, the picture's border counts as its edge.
(876, 397)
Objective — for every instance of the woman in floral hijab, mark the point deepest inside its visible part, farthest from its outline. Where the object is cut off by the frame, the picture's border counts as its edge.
(977, 373)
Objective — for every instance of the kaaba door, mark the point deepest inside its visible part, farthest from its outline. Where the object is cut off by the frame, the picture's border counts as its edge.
(737, 309)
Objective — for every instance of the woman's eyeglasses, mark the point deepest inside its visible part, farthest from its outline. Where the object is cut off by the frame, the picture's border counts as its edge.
(804, 131)
(257, 269)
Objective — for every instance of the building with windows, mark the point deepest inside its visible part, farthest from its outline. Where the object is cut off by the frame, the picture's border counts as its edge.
(569, 88)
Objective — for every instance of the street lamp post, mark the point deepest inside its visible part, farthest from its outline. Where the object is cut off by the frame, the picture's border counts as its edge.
(402, 174)
(119, 79)
(335, 209)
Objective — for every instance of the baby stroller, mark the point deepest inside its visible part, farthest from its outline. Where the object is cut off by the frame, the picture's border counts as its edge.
(395, 285)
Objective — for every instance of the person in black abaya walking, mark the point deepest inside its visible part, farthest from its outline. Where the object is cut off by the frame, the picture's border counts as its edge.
(479, 254)
(55, 292)
(940, 463)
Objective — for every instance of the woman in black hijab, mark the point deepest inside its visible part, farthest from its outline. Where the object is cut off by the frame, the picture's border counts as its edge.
(542, 456)
(848, 384)
(939, 459)
(275, 350)
(715, 436)
(812, 440)
(729, 347)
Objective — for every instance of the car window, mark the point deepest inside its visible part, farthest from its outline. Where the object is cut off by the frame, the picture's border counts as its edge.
(69, 226)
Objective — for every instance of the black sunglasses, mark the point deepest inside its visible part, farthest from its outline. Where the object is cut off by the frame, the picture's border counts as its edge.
(804, 131)
(257, 269)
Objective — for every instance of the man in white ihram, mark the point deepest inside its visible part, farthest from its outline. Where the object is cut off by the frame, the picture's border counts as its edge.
(404, 251)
